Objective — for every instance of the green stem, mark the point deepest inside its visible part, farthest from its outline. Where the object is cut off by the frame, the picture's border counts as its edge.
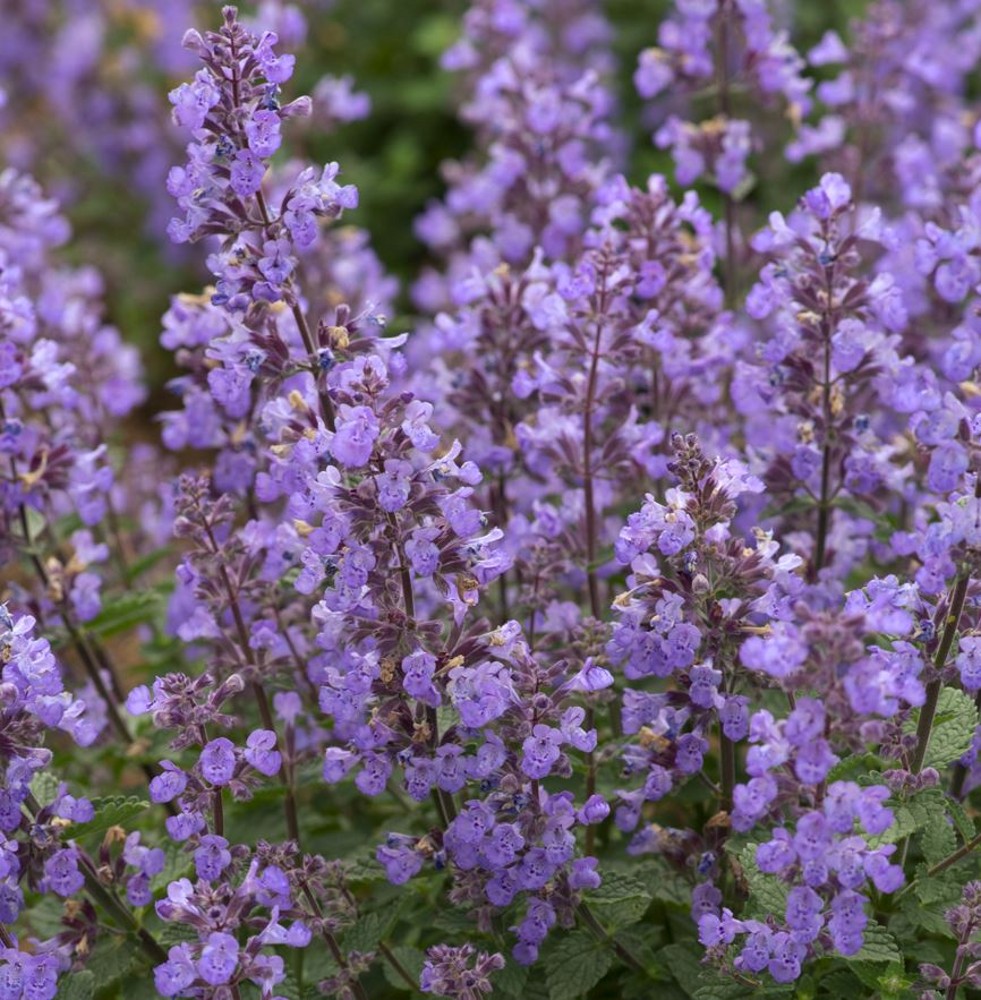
(331, 941)
(929, 710)
(111, 903)
(258, 691)
(400, 969)
(962, 852)
(326, 405)
(592, 578)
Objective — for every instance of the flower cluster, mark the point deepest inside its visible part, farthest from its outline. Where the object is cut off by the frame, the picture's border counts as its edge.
(616, 617)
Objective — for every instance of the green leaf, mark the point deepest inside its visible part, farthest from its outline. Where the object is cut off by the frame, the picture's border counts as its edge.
(664, 884)
(410, 959)
(365, 869)
(938, 838)
(716, 987)
(112, 810)
(140, 566)
(953, 728)
(965, 825)
(365, 933)
(880, 946)
(575, 965)
(126, 611)
(923, 917)
(767, 893)
(840, 982)
(851, 766)
(684, 965)
(511, 980)
(44, 786)
(642, 941)
(637, 986)
(77, 986)
(177, 864)
(620, 901)
(536, 988)
(114, 960)
(911, 817)
(944, 888)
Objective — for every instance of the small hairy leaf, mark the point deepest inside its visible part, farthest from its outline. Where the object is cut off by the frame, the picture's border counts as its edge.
(880, 946)
(511, 980)
(767, 893)
(912, 817)
(953, 728)
(112, 810)
(77, 986)
(410, 959)
(938, 838)
(575, 965)
(620, 901)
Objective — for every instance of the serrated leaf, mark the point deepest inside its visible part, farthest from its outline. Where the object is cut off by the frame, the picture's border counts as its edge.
(410, 959)
(642, 941)
(683, 965)
(364, 869)
(851, 766)
(944, 888)
(620, 901)
(953, 728)
(575, 964)
(885, 983)
(937, 839)
(112, 810)
(767, 893)
(911, 817)
(365, 933)
(923, 917)
(965, 825)
(44, 787)
(115, 959)
(663, 884)
(77, 986)
(879, 946)
(511, 980)
(715, 987)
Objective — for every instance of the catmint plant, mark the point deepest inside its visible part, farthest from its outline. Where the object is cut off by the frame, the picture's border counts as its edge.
(599, 617)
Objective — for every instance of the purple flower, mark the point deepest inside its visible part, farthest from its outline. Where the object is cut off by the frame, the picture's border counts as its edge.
(262, 131)
(217, 761)
(176, 974)
(61, 872)
(219, 959)
(540, 751)
(261, 752)
(247, 171)
(968, 662)
(354, 439)
(165, 787)
(212, 857)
